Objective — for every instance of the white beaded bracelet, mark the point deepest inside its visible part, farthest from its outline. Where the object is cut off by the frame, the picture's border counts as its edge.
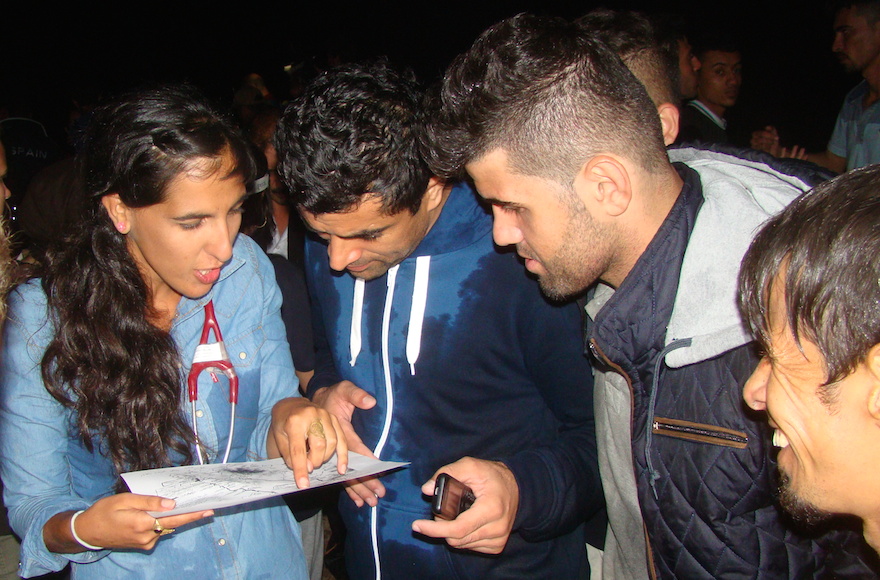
(79, 540)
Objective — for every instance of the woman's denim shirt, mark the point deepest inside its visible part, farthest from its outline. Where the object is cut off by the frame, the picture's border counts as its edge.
(46, 469)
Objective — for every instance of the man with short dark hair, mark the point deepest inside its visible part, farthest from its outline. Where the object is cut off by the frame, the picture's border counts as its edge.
(719, 78)
(647, 48)
(565, 144)
(433, 347)
(855, 141)
(810, 292)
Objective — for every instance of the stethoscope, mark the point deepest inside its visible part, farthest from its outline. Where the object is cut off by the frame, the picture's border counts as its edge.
(212, 358)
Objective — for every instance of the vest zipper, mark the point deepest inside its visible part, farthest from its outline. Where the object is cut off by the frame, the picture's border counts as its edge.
(700, 432)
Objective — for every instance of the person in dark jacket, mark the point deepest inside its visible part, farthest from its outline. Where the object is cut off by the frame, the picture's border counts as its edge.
(567, 146)
(434, 347)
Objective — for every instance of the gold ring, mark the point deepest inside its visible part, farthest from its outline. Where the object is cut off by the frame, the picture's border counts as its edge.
(317, 429)
(160, 530)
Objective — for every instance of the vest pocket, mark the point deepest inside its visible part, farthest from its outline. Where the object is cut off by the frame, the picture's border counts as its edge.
(700, 432)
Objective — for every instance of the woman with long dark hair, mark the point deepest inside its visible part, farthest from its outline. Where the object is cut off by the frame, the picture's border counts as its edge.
(97, 353)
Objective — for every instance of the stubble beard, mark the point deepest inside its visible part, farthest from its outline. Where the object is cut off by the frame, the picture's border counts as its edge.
(797, 507)
(563, 281)
(579, 261)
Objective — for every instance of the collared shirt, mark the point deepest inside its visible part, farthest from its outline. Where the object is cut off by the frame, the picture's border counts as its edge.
(701, 107)
(47, 470)
(279, 244)
(856, 133)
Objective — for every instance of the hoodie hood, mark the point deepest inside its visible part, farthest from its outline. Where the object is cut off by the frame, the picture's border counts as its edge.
(740, 195)
(461, 223)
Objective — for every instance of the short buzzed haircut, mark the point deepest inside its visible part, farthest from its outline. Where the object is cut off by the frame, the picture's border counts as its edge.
(827, 243)
(869, 9)
(713, 39)
(645, 47)
(550, 95)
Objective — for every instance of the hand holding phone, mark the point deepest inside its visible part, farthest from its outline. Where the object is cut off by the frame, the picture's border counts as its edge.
(451, 497)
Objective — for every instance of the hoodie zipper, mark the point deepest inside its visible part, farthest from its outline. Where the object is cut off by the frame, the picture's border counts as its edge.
(389, 411)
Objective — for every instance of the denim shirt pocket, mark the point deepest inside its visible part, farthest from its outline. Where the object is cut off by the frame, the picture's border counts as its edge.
(245, 352)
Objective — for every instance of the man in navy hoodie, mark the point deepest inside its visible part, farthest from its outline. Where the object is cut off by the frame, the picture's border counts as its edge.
(434, 347)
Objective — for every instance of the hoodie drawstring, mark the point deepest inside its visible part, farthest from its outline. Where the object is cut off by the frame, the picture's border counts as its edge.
(357, 311)
(417, 311)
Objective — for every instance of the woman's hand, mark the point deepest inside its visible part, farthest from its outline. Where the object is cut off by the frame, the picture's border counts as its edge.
(306, 436)
(117, 522)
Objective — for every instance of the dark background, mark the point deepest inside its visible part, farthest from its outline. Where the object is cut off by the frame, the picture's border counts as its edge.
(52, 54)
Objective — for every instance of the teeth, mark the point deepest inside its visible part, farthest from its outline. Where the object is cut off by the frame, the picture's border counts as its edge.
(779, 439)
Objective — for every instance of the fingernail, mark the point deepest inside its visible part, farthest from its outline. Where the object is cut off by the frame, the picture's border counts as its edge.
(302, 482)
(208, 514)
(168, 503)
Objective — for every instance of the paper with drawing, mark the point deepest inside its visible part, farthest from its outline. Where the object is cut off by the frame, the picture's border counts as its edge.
(204, 487)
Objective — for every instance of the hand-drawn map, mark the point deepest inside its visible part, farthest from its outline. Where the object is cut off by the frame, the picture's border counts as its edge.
(204, 487)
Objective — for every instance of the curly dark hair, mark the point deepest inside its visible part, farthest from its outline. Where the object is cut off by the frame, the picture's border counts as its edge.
(354, 131)
(546, 92)
(107, 361)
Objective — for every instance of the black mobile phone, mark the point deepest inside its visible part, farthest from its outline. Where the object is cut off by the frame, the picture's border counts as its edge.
(451, 497)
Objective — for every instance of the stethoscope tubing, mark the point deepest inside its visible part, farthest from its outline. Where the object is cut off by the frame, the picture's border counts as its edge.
(213, 358)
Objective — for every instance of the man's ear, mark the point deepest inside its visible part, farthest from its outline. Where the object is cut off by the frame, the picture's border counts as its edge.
(117, 210)
(873, 363)
(669, 120)
(604, 182)
(434, 192)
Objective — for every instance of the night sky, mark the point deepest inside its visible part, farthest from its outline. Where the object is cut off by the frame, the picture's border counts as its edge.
(49, 54)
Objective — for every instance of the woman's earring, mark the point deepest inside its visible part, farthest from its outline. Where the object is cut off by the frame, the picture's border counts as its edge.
(121, 227)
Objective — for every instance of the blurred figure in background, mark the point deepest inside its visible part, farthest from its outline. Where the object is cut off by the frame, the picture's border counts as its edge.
(855, 141)
(719, 78)
(9, 545)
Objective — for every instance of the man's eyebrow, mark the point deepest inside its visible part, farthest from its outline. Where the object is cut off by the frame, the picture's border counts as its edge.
(501, 203)
(363, 234)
